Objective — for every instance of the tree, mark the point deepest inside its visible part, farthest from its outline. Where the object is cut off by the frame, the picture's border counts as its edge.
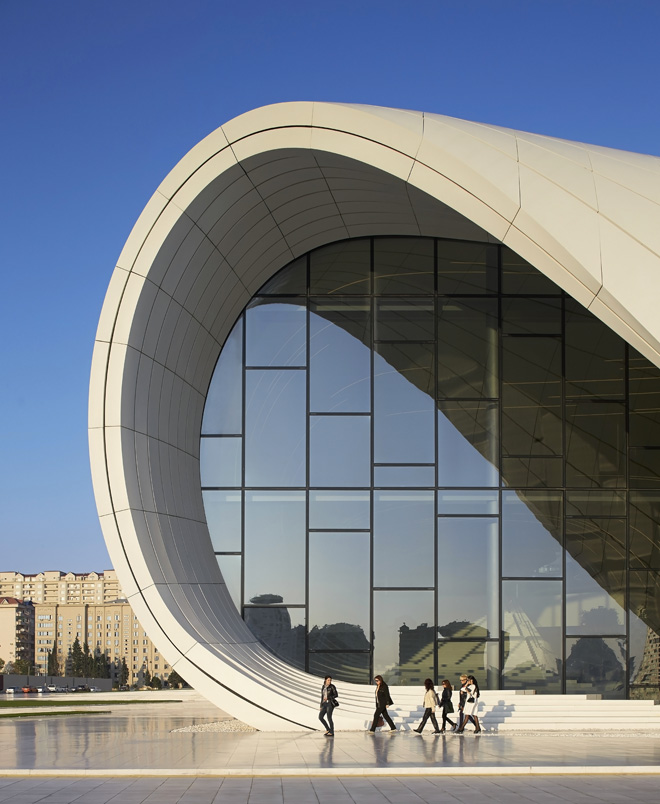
(53, 663)
(123, 672)
(100, 665)
(87, 663)
(146, 677)
(156, 683)
(175, 680)
(22, 667)
(76, 658)
(2, 665)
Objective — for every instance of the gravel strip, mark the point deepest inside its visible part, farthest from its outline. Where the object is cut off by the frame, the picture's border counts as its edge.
(220, 725)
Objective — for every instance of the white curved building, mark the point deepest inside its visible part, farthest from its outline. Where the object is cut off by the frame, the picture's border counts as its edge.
(404, 219)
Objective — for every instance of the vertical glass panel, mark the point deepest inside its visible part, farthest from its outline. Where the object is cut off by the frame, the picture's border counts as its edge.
(339, 510)
(595, 576)
(404, 637)
(341, 268)
(405, 320)
(281, 630)
(475, 658)
(223, 410)
(397, 476)
(645, 529)
(519, 277)
(532, 615)
(595, 445)
(349, 667)
(596, 502)
(596, 666)
(468, 577)
(290, 280)
(220, 461)
(340, 356)
(403, 538)
(644, 611)
(466, 267)
(531, 396)
(467, 444)
(276, 333)
(339, 591)
(644, 468)
(230, 567)
(531, 316)
(595, 356)
(644, 388)
(532, 472)
(468, 502)
(340, 450)
(223, 515)
(275, 546)
(467, 348)
(403, 404)
(531, 534)
(275, 415)
(404, 265)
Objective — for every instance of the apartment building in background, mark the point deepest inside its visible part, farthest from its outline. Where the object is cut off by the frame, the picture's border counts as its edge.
(16, 630)
(56, 587)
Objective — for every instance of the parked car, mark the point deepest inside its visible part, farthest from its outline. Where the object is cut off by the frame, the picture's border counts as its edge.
(95, 689)
(52, 688)
(29, 689)
(12, 691)
(42, 690)
(81, 688)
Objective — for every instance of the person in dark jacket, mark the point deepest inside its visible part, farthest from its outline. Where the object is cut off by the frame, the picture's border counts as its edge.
(462, 696)
(328, 703)
(383, 700)
(447, 705)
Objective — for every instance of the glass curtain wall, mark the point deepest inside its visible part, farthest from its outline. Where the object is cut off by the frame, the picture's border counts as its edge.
(420, 458)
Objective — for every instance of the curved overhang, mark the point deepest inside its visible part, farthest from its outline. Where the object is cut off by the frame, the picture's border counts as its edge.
(258, 192)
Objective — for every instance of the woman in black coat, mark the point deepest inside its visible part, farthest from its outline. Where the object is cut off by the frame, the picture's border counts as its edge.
(383, 700)
(328, 703)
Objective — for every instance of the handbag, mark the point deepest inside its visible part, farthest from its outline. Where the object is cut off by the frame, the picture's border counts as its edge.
(449, 708)
(335, 702)
(470, 699)
(381, 722)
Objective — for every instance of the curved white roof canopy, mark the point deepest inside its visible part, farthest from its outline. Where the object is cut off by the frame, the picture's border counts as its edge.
(256, 193)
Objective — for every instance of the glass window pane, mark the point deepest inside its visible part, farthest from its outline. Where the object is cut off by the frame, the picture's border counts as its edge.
(404, 637)
(223, 515)
(644, 468)
(518, 276)
(339, 597)
(467, 444)
(275, 546)
(644, 611)
(644, 388)
(281, 630)
(340, 450)
(595, 576)
(531, 534)
(349, 667)
(403, 404)
(220, 461)
(340, 356)
(595, 356)
(596, 502)
(595, 445)
(341, 268)
(468, 601)
(276, 333)
(397, 476)
(467, 348)
(531, 316)
(596, 666)
(404, 265)
(468, 502)
(466, 267)
(532, 615)
(275, 441)
(475, 658)
(405, 320)
(292, 279)
(645, 529)
(347, 510)
(230, 567)
(531, 396)
(403, 538)
(223, 410)
(532, 472)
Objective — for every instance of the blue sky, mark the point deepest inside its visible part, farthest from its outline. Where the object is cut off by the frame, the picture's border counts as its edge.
(99, 101)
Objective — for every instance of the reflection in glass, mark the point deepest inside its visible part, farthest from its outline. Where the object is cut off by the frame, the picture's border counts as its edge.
(404, 265)
(341, 268)
(596, 502)
(403, 538)
(340, 357)
(531, 534)
(595, 441)
(404, 636)
(467, 443)
(220, 460)
(275, 333)
(466, 267)
(532, 472)
(292, 280)
(348, 667)
(645, 529)
(275, 545)
(405, 320)
(531, 316)
(338, 595)
(531, 620)
(468, 577)
(472, 657)
(281, 630)
(467, 348)
(403, 406)
(347, 510)
(275, 428)
(468, 502)
(644, 468)
(519, 277)
(339, 451)
(223, 411)
(644, 389)
(595, 576)
(223, 515)
(644, 648)
(398, 476)
(230, 567)
(595, 665)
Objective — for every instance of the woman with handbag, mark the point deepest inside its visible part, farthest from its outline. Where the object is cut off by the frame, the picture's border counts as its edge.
(471, 703)
(383, 700)
(447, 705)
(430, 702)
(328, 703)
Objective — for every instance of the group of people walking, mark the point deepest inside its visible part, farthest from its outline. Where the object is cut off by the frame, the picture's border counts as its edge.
(468, 702)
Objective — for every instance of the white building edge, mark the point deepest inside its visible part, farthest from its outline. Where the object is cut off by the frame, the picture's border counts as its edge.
(255, 194)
